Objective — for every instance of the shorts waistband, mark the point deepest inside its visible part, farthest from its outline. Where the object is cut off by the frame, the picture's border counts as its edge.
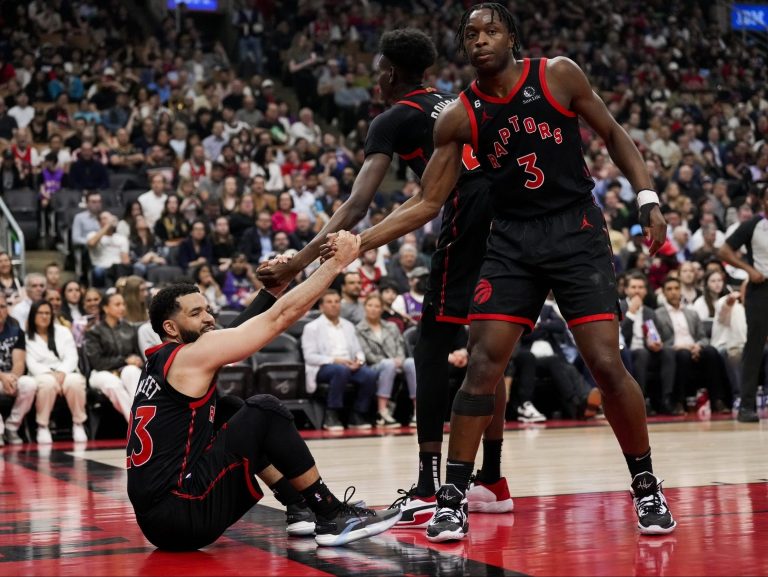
(578, 205)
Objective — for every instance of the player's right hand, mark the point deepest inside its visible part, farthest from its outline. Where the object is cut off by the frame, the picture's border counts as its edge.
(328, 248)
(347, 247)
(276, 273)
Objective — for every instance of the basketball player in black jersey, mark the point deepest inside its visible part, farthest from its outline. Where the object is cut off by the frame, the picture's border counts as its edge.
(188, 480)
(405, 128)
(521, 117)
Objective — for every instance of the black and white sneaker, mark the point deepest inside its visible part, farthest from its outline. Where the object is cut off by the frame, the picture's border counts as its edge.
(352, 522)
(300, 520)
(416, 511)
(450, 522)
(653, 514)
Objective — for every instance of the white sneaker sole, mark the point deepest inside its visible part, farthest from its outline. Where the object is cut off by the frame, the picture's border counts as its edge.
(491, 506)
(301, 529)
(457, 535)
(656, 530)
(328, 540)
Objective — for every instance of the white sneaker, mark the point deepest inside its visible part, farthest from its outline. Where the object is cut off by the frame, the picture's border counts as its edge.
(386, 420)
(43, 436)
(527, 413)
(78, 433)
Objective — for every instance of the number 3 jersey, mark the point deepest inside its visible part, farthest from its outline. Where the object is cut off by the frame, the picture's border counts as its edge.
(167, 433)
(530, 147)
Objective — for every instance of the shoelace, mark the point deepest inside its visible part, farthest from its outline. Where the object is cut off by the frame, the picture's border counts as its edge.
(449, 514)
(348, 508)
(405, 496)
(652, 503)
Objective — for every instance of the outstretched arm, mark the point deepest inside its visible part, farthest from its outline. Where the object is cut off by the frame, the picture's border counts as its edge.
(571, 84)
(452, 131)
(197, 363)
(366, 184)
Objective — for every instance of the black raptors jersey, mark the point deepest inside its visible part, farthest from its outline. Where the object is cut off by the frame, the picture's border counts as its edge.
(167, 433)
(529, 145)
(406, 129)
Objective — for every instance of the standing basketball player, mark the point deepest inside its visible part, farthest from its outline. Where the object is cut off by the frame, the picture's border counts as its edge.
(522, 118)
(187, 481)
(406, 129)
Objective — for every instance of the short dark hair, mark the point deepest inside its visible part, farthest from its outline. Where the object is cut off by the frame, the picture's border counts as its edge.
(637, 275)
(668, 280)
(504, 16)
(165, 303)
(410, 50)
(327, 292)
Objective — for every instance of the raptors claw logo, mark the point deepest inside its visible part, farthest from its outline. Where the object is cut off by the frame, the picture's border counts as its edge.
(483, 292)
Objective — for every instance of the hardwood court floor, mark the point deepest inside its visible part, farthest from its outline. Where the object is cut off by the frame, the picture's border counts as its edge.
(64, 511)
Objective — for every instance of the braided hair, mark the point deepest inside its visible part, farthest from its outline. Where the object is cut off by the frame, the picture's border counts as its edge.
(497, 10)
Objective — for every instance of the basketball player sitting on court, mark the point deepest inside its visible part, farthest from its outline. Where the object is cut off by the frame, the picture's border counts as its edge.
(188, 480)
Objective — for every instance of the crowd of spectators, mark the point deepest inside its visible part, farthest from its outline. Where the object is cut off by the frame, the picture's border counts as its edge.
(233, 155)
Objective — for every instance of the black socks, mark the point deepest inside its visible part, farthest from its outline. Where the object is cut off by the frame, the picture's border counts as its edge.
(285, 493)
(457, 473)
(429, 474)
(640, 464)
(320, 499)
(491, 469)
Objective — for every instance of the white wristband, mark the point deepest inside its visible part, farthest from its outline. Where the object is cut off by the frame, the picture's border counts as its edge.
(647, 196)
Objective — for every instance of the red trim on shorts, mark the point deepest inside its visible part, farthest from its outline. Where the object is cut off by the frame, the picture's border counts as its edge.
(472, 119)
(419, 152)
(411, 104)
(548, 95)
(249, 481)
(497, 317)
(167, 365)
(591, 319)
(453, 320)
(511, 95)
(210, 487)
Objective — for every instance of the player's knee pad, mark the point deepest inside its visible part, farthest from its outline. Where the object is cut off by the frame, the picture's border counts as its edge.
(473, 405)
(269, 403)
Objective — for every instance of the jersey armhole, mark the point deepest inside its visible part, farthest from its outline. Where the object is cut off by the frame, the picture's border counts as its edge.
(472, 120)
(547, 94)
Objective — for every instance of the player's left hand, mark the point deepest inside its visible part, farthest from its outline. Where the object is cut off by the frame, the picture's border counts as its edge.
(328, 248)
(277, 284)
(657, 231)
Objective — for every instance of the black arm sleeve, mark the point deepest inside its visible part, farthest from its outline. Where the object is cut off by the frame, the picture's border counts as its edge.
(258, 305)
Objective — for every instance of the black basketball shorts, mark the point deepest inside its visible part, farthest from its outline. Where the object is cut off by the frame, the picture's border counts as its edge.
(461, 246)
(568, 252)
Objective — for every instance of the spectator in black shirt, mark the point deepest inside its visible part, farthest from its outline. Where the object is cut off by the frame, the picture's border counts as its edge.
(87, 173)
(8, 124)
(303, 234)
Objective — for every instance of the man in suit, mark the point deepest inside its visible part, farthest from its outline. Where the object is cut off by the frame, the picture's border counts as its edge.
(696, 361)
(333, 355)
(644, 346)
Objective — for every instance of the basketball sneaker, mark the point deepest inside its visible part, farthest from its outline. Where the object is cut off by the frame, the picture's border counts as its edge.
(489, 497)
(450, 522)
(352, 523)
(300, 520)
(653, 514)
(527, 413)
(416, 511)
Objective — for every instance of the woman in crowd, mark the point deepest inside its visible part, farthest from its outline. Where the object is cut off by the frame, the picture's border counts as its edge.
(143, 247)
(52, 361)
(196, 249)
(384, 348)
(284, 219)
(132, 210)
(112, 349)
(230, 195)
(91, 302)
(243, 217)
(9, 284)
(171, 228)
(209, 288)
(72, 307)
(54, 298)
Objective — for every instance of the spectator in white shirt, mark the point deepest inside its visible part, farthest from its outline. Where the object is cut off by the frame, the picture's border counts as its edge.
(306, 128)
(23, 112)
(107, 250)
(153, 201)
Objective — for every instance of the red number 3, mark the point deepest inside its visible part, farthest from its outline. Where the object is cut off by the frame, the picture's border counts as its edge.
(528, 162)
(144, 415)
